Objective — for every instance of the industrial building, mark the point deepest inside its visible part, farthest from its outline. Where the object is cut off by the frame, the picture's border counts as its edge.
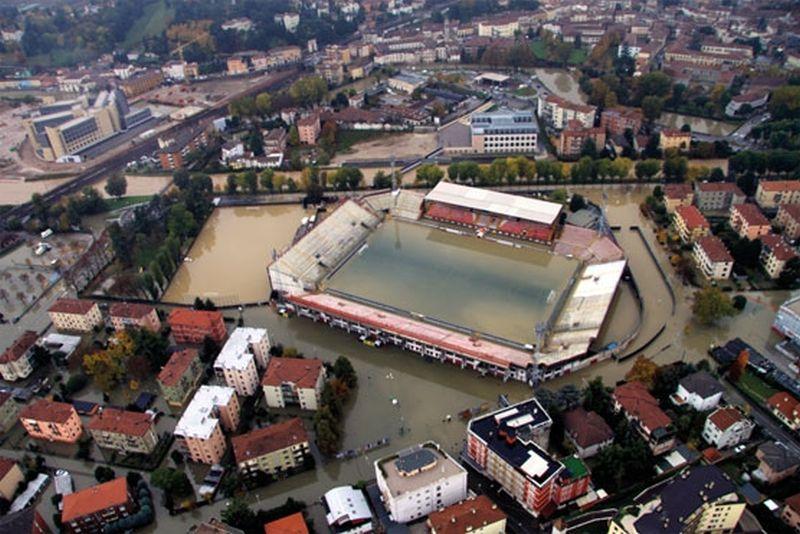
(504, 132)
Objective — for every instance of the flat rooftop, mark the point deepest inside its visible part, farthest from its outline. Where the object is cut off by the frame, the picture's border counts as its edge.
(434, 464)
(529, 209)
(236, 352)
(200, 418)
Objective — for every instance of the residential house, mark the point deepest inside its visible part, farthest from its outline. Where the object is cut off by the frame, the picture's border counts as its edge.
(346, 509)
(290, 381)
(717, 196)
(642, 409)
(772, 194)
(275, 450)
(573, 139)
(788, 219)
(92, 509)
(746, 102)
(9, 412)
(557, 112)
(193, 326)
(786, 408)
(727, 427)
(712, 258)
(123, 431)
(10, 477)
(18, 360)
(237, 65)
(776, 462)
(51, 421)
(690, 223)
(617, 120)
(775, 254)
(180, 376)
(242, 359)
(419, 480)
(309, 128)
(699, 390)
(674, 140)
(126, 315)
(477, 515)
(677, 195)
(748, 221)
(75, 315)
(200, 427)
(291, 524)
(587, 431)
(791, 512)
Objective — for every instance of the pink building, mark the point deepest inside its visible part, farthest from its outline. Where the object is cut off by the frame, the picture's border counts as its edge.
(748, 221)
(51, 421)
(200, 428)
(130, 315)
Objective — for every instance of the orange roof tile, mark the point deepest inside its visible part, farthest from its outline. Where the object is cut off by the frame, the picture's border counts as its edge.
(6, 465)
(778, 247)
(94, 499)
(724, 418)
(129, 310)
(121, 422)
(751, 214)
(785, 403)
(714, 248)
(639, 403)
(302, 372)
(466, 516)
(779, 185)
(177, 365)
(194, 318)
(72, 306)
(291, 524)
(19, 347)
(692, 217)
(49, 411)
(268, 439)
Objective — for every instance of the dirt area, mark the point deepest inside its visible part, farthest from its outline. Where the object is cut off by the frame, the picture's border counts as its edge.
(710, 163)
(202, 94)
(400, 145)
(140, 185)
(15, 192)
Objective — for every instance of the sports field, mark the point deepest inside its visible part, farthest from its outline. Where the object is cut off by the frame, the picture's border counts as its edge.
(470, 282)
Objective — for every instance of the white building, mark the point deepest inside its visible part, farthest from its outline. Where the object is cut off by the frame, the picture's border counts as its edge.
(293, 381)
(727, 427)
(346, 507)
(787, 320)
(557, 112)
(419, 480)
(242, 358)
(712, 258)
(200, 427)
(290, 21)
(232, 150)
(699, 390)
(504, 132)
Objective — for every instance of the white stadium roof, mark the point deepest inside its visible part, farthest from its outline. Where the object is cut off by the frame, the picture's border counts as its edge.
(528, 209)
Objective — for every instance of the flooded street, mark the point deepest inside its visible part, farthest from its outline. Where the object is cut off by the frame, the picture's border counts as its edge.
(698, 124)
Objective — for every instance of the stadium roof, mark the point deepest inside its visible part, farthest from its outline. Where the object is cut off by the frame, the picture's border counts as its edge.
(529, 209)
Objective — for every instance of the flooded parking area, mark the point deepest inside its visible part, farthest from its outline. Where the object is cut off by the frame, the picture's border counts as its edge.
(236, 240)
(475, 283)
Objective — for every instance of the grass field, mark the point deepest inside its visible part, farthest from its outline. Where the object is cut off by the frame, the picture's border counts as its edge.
(345, 139)
(539, 49)
(155, 20)
(755, 387)
(117, 203)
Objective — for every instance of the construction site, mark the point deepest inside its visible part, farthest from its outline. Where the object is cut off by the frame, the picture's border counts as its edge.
(473, 277)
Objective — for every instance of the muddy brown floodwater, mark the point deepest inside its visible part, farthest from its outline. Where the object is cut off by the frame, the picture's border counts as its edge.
(231, 260)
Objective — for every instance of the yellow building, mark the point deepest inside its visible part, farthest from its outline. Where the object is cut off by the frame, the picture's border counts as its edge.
(10, 477)
(275, 449)
(75, 315)
(674, 140)
(771, 194)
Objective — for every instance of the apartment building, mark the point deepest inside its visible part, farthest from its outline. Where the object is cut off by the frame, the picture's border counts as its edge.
(771, 194)
(717, 196)
(617, 120)
(193, 326)
(242, 359)
(641, 409)
(775, 462)
(309, 129)
(181, 375)
(18, 360)
(712, 258)
(787, 320)
(75, 315)
(51, 421)
(10, 477)
(9, 412)
(727, 427)
(699, 390)
(699, 499)
(125, 315)
(574, 137)
(478, 515)
(775, 254)
(508, 446)
(690, 224)
(123, 431)
(237, 65)
(293, 381)
(748, 221)
(557, 112)
(587, 431)
(200, 427)
(677, 195)
(90, 510)
(277, 57)
(788, 219)
(274, 450)
(142, 82)
(674, 140)
(173, 151)
(504, 132)
(786, 409)
(419, 480)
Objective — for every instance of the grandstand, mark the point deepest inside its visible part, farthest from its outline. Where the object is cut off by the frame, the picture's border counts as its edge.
(323, 249)
(587, 245)
(400, 203)
(501, 213)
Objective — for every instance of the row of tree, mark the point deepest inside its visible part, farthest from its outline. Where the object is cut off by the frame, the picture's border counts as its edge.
(335, 393)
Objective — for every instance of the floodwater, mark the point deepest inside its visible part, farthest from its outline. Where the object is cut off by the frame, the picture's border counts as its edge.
(460, 279)
(236, 240)
(699, 125)
(560, 82)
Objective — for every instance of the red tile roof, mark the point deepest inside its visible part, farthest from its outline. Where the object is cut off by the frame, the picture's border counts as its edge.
(779, 185)
(751, 214)
(466, 516)
(72, 306)
(130, 310)
(291, 524)
(793, 502)
(177, 365)
(793, 210)
(194, 318)
(724, 418)
(692, 217)
(714, 248)
(49, 411)
(121, 422)
(587, 428)
(268, 439)
(94, 499)
(678, 191)
(778, 247)
(301, 372)
(675, 133)
(720, 186)
(6, 465)
(19, 347)
(639, 403)
(786, 404)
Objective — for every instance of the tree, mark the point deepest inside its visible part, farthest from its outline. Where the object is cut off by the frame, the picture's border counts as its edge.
(676, 168)
(173, 482)
(138, 367)
(347, 178)
(711, 305)
(266, 179)
(326, 430)
(107, 367)
(739, 365)
(643, 370)
(250, 180)
(117, 185)
(651, 107)
(790, 275)
(647, 169)
(785, 102)
(597, 398)
(181, 223)
(344, 371)
(381, 180)
(231, 185)
(309, 90)
(239, 515)
(739, 302)
(576, 203)
(264, 103)
(104, 474)
(429, 174)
